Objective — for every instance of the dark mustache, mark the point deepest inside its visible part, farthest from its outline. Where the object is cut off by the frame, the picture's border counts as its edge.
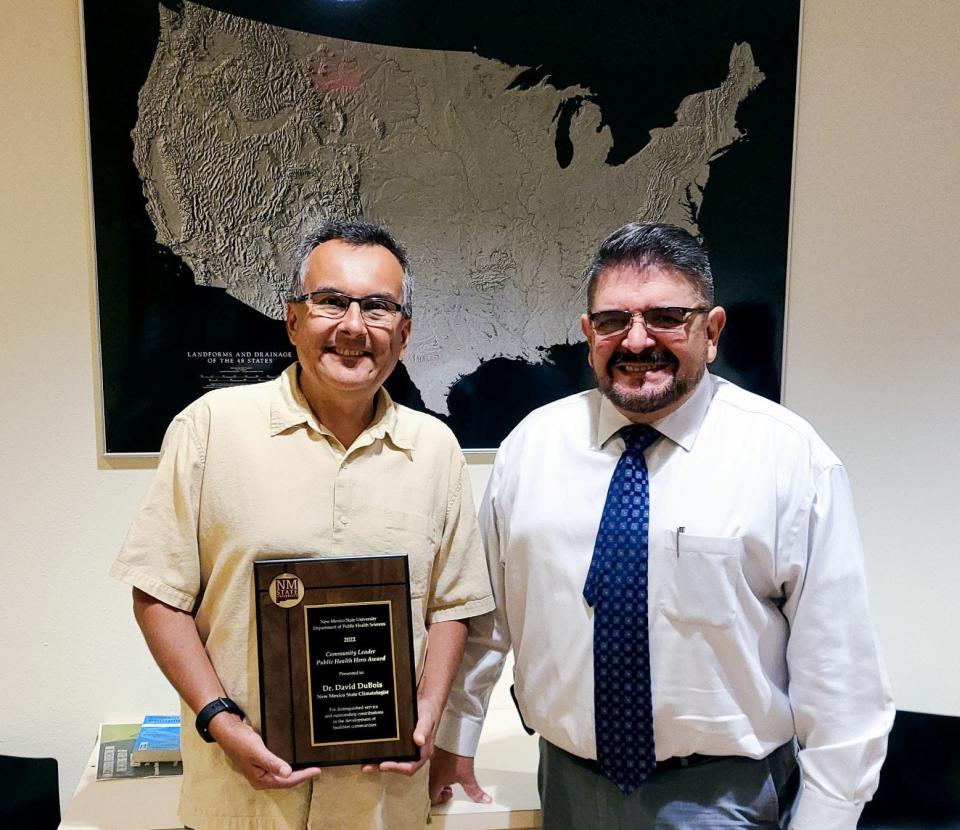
(658, 357)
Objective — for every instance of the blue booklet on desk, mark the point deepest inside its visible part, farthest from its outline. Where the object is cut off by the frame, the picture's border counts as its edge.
(158, 740)
(115, 761)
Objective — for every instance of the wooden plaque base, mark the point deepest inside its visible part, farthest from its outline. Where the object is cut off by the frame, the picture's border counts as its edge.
(335, 646)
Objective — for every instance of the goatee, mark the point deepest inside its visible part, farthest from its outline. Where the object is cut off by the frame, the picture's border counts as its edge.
(644, 401)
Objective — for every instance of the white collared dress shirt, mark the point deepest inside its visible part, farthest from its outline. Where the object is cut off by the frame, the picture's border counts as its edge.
(759, 622)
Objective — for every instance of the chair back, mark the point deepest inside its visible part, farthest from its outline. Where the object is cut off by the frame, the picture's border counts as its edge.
(31, 793)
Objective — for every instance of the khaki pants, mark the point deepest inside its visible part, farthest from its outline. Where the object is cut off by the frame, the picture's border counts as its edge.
(345, 799)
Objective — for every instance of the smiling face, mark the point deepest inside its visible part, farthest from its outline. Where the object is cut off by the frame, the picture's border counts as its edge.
(346, 361)
(647, 375)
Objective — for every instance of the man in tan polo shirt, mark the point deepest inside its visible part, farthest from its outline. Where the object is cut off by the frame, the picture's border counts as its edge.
(318, 462)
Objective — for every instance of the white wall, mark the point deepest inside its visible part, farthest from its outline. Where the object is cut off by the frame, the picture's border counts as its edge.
(871, 359)
(69, 657)
(873, 354)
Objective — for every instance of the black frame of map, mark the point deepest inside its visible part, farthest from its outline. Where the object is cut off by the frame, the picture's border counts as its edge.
(164, 341)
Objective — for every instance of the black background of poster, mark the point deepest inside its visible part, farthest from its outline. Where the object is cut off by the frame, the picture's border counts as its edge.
(638, 57)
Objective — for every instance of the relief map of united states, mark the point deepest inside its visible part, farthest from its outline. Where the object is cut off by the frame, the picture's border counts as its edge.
(497, 177)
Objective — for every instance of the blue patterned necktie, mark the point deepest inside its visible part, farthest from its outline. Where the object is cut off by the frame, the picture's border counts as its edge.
(616, 588)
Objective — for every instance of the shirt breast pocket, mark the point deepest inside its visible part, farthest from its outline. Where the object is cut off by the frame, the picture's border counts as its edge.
(700, 578)
(412, 534)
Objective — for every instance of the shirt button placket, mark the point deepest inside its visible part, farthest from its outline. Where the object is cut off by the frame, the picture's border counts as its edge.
(341, 501)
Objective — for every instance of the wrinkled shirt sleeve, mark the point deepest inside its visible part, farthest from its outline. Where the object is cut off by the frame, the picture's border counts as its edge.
(487, 645)
(841, 699)
(459, 586)
(160, 555)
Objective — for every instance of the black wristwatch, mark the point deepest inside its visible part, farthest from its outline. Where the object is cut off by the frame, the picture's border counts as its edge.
(210, 711)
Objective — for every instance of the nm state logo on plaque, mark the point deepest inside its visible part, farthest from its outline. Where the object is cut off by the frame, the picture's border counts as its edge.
(286, 590)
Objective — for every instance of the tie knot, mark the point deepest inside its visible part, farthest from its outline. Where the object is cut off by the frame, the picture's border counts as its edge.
(639, 436)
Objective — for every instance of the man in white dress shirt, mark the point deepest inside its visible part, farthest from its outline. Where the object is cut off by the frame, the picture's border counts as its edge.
(760, 638)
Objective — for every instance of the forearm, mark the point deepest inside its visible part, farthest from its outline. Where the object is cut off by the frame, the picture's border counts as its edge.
(174, 642)
(444, 646)
(445, 641)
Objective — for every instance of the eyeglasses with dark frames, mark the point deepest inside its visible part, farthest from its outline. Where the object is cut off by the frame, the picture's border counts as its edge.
(662, 319)
(375, 311)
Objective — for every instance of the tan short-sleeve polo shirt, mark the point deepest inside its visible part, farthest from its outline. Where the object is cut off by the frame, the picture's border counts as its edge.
(249, 473)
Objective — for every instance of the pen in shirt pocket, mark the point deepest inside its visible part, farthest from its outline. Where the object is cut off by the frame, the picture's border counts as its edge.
(680, 529)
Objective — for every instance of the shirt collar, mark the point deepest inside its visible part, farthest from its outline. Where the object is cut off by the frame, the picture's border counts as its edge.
(289, 408)
(680, 426)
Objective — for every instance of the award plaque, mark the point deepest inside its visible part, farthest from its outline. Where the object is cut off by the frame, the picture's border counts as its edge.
(335, 645)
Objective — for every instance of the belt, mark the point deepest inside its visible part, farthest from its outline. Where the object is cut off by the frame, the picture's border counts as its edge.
(787, 752)
(685, 762)
(694, 760)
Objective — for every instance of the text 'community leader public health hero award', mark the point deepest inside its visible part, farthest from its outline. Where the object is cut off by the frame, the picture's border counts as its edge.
(335, 644)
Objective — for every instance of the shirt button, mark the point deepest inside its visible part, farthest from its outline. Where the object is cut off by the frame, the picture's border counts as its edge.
(344, 520)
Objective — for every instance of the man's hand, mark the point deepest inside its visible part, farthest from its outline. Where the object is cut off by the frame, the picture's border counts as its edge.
(448, 769)
(245, 748)
(423, 735)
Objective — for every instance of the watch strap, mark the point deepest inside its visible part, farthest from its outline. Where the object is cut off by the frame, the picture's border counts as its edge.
(210, 711)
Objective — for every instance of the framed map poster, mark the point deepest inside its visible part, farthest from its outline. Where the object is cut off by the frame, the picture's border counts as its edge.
(500, 142)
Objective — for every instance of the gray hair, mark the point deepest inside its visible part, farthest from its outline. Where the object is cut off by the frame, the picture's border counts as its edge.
(642, 245)
(359, 234)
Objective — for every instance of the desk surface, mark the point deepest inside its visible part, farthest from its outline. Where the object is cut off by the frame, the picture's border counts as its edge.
(506, 768)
